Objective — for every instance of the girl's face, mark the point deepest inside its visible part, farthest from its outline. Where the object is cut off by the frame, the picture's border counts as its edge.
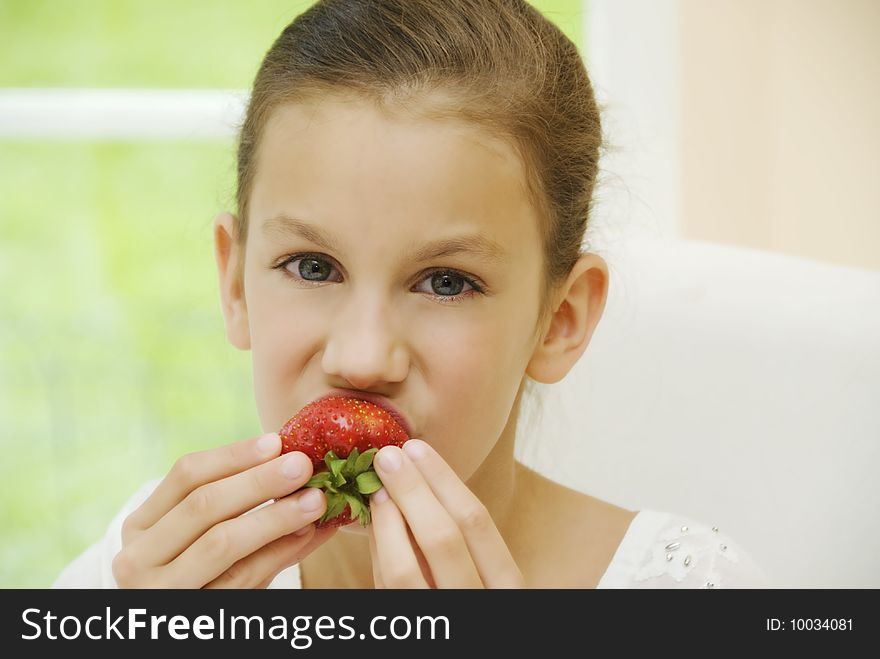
(394, 256)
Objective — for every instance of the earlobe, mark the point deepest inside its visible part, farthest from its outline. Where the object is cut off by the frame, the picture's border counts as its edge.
(231, 281)
(574, 320)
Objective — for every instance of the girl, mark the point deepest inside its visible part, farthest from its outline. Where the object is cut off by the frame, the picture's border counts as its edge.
(414, 184)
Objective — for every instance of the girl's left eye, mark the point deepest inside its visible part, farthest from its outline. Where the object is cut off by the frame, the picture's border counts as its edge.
(315, 268)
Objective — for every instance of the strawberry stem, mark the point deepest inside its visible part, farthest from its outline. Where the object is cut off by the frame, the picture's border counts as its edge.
(347, 482)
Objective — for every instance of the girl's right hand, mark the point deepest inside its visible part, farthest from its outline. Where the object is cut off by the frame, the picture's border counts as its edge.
(191, 532)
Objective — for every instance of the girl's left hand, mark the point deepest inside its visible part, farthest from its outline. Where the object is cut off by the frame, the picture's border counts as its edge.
(432, 532)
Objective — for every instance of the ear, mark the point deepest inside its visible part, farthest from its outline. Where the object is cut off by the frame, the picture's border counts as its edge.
(231, 281)
(579, 306)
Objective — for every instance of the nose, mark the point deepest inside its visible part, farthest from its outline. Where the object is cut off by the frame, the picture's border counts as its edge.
(364, 346)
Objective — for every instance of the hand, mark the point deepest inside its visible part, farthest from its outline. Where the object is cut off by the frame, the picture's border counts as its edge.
(432, 531)
(191, 532)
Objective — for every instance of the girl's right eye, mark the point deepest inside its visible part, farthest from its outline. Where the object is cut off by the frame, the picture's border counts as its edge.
(311, 267)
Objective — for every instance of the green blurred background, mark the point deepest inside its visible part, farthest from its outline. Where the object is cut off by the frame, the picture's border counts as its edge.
(113, 355)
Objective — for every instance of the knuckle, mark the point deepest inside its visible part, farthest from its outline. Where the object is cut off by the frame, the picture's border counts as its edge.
(198, 502)
(264, 480)
(236, 453)
(272, 553)
(264, 525)
(397, 577)
(279, 555)
(184, 472)
(238, 575)
(408, 487)
(127, 529)
(443, 541)
(124, 569)
(475, 518)
(217, 543)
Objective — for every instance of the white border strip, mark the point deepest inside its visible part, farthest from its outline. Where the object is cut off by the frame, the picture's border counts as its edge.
(125, 114)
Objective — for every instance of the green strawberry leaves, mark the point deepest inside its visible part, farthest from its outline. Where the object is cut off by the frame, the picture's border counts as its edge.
(368, 482)
(346, 482)
(335, 506)
(364, 461)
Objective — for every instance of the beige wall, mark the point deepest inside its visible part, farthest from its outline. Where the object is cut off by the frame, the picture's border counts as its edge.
(781, 126)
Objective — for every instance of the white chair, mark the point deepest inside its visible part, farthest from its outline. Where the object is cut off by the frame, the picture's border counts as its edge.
(740, 388)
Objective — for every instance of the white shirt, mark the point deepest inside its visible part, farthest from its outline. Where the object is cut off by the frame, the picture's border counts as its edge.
(659, 550)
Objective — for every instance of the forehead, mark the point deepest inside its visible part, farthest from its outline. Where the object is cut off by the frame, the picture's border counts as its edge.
(344, 162)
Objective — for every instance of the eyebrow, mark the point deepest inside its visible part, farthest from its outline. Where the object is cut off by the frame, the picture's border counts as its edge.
(475, 244)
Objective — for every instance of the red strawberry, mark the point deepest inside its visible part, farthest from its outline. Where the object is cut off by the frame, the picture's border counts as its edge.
(341, 436)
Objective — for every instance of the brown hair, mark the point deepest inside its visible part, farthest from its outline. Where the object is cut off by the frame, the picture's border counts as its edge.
(498, 64)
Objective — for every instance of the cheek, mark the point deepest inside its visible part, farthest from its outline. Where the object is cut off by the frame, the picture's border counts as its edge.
(473, 376)
(281, 345)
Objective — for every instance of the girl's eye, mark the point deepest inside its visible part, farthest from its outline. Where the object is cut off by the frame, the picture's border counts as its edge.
(310, 269)
(446, 284)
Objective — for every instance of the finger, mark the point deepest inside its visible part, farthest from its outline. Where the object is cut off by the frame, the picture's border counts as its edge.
(227, 542)
(435, 531)
(398, 565)
(264, 564)
(485, 543)
(196, 469)
(420, 557)
(216, 502)
(374, 558)
(260, 568)
(319, 537)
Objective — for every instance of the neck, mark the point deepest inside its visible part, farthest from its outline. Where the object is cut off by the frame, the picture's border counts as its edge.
(496, 481)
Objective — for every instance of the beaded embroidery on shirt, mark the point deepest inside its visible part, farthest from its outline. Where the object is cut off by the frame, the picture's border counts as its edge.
(682, 548)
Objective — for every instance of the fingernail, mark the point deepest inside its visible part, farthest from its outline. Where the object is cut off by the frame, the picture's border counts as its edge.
(311, 500)
(379, 496)
(292, 467)
(304, 530)
(389, 459)
(415, 449)
(268, 444)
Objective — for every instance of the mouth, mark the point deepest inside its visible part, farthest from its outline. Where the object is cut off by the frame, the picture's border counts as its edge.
(377, 400)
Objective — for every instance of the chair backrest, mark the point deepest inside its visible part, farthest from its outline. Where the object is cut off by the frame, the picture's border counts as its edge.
(738, 387)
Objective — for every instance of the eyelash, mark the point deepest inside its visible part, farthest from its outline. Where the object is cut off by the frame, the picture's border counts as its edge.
(476, 286)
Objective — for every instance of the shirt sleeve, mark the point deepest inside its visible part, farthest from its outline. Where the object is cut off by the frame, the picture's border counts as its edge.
(93, 568)
(672, 551)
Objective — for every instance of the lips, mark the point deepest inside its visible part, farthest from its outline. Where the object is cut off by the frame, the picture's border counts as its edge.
(380, 401)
